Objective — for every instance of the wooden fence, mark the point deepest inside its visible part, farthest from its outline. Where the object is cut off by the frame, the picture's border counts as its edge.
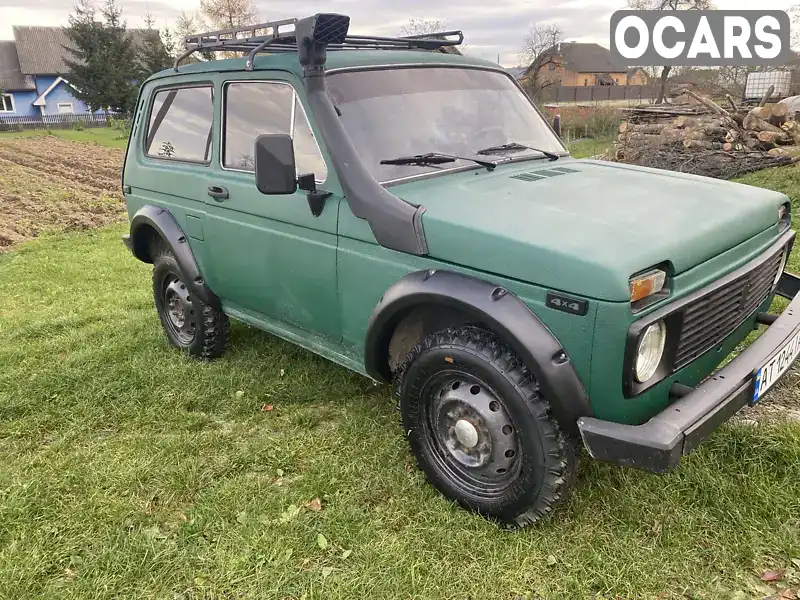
(21, 123)
(597, 93)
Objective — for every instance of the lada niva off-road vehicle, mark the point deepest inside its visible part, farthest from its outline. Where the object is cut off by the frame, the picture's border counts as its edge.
(407, 212)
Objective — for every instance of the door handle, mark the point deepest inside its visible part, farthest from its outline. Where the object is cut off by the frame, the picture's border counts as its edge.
(218, 193)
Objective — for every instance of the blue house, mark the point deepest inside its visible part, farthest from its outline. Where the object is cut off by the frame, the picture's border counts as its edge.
(33, 79)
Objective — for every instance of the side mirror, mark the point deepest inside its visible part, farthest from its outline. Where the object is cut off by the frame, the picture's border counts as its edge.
(274, 164)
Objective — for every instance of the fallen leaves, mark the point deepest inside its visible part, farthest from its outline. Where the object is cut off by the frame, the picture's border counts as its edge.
(322, 541)
(315, 505)
(267, 408)
(290, 514)
(771, 576)
(154, 532)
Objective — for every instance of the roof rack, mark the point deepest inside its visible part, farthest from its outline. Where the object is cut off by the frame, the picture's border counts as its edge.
(321, 32)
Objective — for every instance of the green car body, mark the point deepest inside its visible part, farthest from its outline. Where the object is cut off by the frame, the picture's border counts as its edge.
(530, 228)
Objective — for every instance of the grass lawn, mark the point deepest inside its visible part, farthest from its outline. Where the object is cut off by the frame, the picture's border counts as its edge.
(105, 136)
(589, 147)
(130, 471)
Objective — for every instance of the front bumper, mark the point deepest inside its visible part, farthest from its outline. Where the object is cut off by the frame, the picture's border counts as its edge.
(658, 445)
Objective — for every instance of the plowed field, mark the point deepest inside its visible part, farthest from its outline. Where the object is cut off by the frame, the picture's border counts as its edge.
(48, 184)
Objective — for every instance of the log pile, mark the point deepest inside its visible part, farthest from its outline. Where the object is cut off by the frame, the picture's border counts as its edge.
(704, 138)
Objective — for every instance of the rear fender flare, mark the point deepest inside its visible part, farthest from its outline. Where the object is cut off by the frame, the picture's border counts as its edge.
(500, 311)
(151, 218)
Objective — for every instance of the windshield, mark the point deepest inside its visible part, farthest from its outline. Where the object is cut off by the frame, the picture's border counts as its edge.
(395, 112)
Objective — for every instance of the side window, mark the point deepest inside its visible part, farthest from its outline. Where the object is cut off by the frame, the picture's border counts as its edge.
(254, 108)
(180, 125)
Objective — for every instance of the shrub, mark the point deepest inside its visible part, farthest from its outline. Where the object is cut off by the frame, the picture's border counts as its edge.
(122, 126)
(580, 121)
(78, 126)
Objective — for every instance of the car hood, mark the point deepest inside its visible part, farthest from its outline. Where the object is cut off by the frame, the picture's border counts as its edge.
(585, 226)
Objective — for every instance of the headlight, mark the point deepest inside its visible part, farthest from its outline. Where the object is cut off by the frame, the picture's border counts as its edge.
(784, 217)
(649, 351)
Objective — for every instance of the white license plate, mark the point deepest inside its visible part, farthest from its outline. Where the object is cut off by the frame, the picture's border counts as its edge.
(767, 375)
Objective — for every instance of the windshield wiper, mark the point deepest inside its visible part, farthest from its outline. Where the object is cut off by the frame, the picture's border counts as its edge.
(435, 158)
(515, 147)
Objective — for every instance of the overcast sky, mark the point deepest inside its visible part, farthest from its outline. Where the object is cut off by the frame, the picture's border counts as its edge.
(491, 27)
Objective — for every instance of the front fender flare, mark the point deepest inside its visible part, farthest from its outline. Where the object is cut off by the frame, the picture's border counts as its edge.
(154, 218)
(500, 311)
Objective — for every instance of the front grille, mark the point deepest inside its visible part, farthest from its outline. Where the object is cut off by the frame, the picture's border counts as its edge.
(710, 319)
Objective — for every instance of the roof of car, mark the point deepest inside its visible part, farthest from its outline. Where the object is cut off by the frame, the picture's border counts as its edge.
(287, 61)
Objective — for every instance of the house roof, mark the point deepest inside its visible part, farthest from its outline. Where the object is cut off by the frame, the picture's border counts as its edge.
(585, 58)
(42, 51)
(11, 77)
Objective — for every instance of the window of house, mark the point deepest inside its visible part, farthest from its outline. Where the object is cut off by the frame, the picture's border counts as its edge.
(6, 103)
(65, 108)
(180, 124)
(254, 108)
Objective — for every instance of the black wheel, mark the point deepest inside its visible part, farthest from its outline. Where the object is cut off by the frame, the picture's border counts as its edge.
(480, 429)
(190, 324)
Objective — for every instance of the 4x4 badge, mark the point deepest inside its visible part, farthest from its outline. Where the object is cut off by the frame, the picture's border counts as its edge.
(566, 304)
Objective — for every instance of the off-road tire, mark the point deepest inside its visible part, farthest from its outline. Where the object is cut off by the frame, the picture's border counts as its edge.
(210, 326)
(546, 461)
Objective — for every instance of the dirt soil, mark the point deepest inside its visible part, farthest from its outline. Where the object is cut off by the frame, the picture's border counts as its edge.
(48, 184)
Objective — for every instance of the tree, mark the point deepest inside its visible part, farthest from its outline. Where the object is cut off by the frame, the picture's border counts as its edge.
(186, 25)
(169, 41)
(540, 50)
(423, 27)
(668, 5)
(226, 14)
(417, 26)
(154, 53)
(121, 59)
(794, 15)
(103, 67)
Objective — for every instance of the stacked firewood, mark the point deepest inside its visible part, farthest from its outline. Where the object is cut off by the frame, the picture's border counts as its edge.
(704, 138)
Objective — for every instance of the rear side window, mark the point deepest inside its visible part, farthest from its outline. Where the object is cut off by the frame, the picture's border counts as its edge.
(255, 107)
(180, 125)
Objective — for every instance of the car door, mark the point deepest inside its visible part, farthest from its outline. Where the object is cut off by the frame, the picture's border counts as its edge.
(169, 162)
(272, 258)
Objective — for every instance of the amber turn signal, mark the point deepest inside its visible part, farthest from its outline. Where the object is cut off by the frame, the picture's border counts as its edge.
(647, 284)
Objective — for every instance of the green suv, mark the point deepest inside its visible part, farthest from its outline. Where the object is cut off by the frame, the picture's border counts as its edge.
(406, 212)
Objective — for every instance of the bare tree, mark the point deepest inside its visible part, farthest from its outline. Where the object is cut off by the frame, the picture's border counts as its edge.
(540, 50)
(794, 15)
(417, 26)
(668, 5)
